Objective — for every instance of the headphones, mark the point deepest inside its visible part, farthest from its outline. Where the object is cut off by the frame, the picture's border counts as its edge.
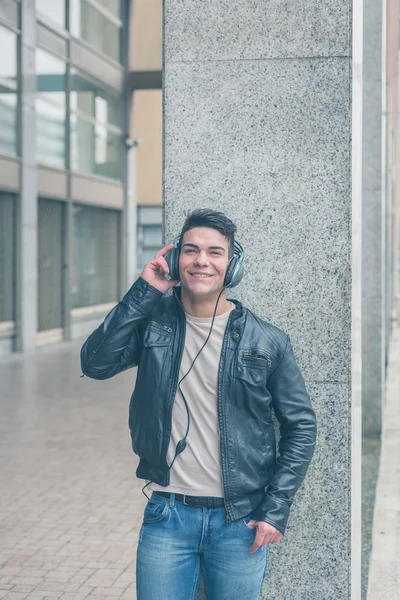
(234, 272)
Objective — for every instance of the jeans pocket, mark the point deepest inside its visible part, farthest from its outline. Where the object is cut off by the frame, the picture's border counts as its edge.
(244, 521)
(155, 511)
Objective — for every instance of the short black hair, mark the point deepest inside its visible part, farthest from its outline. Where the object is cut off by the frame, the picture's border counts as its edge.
(205, 217)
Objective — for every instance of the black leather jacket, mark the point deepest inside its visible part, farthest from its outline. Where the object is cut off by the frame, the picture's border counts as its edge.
(257, 374)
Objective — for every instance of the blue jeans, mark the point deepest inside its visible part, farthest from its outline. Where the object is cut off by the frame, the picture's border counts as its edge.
(178, 543)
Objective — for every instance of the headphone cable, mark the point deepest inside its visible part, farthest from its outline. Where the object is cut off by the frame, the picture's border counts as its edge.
(181, 445)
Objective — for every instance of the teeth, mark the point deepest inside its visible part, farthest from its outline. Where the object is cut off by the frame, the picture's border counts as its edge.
(198, 275)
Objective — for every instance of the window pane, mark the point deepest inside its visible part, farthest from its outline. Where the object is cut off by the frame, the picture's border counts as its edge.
(7, 256)
(113, 6)
(8, 91)
(50, 109)
(50, 78)
(95, 149)
(94, 276)
(89, 98)
(152, 236)
(149, 237)
(95, 28)
(50, 134)
(145, 255)
(55, 9)
(150, 215)
(50, 264)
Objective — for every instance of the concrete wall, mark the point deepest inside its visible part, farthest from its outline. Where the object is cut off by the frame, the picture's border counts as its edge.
(392, 79)
(373, 328)
(257, 123)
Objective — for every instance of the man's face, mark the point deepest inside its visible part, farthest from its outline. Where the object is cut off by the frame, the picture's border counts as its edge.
(203, 261)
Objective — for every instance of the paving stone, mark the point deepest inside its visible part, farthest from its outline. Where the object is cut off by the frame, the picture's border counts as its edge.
(107, 591)
(129, 594)
(72, 507)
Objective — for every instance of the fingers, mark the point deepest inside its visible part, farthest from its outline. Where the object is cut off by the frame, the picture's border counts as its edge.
(258, 541)
(160, 260)
(161, 263)
(266, 534)
(164, 250)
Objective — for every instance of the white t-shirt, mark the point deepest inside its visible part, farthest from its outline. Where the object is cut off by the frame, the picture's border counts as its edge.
(197, 470)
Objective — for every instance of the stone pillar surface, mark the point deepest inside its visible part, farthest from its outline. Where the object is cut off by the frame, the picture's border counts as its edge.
(27, 289)
(257, 123)
(372, 290)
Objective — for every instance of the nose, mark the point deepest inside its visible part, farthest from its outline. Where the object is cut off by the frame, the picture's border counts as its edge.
(201, 259)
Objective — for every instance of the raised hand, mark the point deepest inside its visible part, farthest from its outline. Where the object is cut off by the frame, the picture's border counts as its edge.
(154, 271)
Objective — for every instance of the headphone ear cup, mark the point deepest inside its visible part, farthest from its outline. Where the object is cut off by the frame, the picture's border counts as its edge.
(235, 271)
(237, 275)
(172, 259)
(230, 272)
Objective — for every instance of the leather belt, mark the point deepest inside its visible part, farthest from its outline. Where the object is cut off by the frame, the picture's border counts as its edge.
(200, 501)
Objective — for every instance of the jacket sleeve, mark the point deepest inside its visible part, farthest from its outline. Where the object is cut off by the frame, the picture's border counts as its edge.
(114, 346)
(293, 410)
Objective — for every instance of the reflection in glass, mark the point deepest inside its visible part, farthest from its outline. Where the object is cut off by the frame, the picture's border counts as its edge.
(90, 99)
(50, 227)
(8, 91)
(112, 6)
(55, 9)
(50, 109)
(99, 27)
(149, 233)
(7, 256)
(94, 273)
(95, 149)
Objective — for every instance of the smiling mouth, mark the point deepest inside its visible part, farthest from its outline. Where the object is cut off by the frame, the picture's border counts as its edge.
(200, 275)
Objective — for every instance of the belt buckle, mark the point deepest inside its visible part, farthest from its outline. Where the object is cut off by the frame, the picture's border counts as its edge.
(184, 500)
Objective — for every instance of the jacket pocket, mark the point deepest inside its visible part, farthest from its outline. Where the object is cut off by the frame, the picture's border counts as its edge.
(256, 357)
(253, 365)
(157, 334)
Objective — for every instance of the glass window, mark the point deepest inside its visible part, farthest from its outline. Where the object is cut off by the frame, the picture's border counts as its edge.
(55, 9)
(50, 260)
(90, 99)
(50, 109)
(96, 142)
(149, 233)
(96, 22)
(95, 268)
(7, 256)
(95, 149)
(8, 91)
(112, 6)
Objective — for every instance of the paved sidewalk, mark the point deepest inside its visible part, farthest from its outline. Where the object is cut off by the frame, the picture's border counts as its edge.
(384, 573)
(70, 503)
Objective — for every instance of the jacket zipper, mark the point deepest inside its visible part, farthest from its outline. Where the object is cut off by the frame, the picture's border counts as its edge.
(176, 377)
(159, 326)
(220, 417)
(257, 354)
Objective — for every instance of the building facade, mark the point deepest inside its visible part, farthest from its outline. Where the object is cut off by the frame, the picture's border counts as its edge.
(80, 201)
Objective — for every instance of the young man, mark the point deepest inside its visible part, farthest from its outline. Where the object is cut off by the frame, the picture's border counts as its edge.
(210, 374)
